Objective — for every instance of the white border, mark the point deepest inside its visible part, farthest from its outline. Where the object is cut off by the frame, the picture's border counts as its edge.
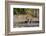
(29, 28)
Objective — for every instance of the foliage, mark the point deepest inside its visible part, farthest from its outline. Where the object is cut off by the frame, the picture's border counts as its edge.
(18, 11)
